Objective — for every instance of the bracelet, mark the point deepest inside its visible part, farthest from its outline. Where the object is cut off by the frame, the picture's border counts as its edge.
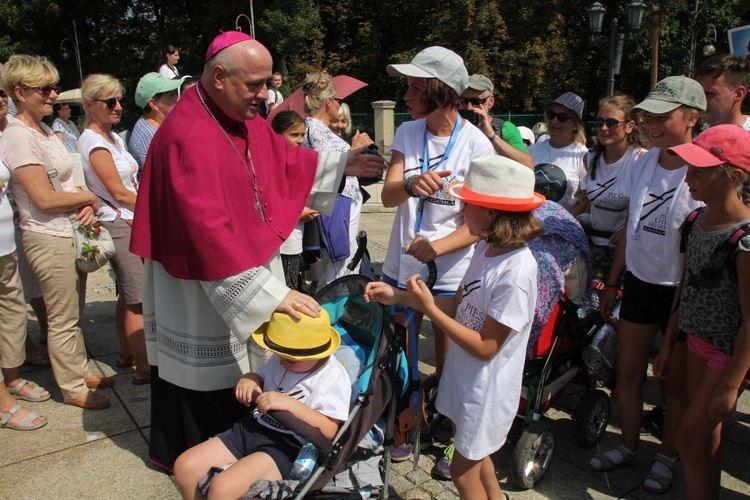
(492, 137)
(407, 186)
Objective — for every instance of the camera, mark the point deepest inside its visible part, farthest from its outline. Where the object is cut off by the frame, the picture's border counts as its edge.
(474, 118)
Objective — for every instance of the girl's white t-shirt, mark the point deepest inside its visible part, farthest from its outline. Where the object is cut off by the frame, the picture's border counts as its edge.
(481, 397)
(656, 237)
(609, 193)
(570, 161)
(126, 165)
(442, 213)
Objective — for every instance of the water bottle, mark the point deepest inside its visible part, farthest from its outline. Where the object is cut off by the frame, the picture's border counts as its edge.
(304, 463)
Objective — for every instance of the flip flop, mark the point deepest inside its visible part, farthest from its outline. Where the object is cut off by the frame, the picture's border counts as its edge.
(41, 360)
(141, 378)
(26, 424)
(36, 392)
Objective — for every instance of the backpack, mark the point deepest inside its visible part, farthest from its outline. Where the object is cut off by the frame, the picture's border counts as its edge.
(724, 254)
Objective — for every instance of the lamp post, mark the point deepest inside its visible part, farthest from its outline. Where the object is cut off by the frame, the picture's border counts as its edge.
(250, 21)
(616, 41)
(66, 55)
(708, 49)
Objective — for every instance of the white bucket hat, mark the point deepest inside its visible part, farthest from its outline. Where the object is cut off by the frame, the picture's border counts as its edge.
(500, 183)
(435, 62)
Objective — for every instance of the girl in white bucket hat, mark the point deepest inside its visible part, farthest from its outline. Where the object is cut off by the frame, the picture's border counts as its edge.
(489, 319)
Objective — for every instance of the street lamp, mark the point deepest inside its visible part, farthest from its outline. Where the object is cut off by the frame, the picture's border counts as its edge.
(239, 28)
(66, 55)
(616, 41)
(708, 49)
(250, 20)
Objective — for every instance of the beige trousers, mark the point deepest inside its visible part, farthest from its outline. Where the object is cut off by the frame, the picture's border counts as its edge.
(12, 314)
(52, 259)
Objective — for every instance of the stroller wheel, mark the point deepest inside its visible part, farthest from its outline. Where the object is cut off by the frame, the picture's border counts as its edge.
(591, 417)
(532, 455)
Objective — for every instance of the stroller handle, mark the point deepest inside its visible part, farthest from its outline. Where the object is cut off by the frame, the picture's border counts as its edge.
(361, 248)
(432, 274)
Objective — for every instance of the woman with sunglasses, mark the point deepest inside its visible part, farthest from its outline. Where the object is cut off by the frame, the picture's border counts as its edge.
(561, 156)
(110, 173)
(322, 108)
(37, 161)
(648, 252)
(609, 164)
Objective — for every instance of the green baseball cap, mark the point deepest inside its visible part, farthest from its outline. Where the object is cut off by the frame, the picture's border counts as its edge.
(673, 92)
(152, 84)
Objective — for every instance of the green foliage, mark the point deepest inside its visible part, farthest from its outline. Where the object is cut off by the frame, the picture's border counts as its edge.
(532, 51)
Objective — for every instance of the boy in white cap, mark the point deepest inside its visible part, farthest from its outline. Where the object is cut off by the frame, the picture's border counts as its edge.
(302, 378)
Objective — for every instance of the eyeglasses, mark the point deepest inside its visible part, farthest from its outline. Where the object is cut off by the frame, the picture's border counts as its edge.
(609, 122)
(561, 117)
(112, 101)
(46, 90)
(474, 101)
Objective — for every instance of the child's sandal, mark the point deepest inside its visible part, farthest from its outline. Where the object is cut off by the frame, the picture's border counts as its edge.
(607, 463)
(662, 482)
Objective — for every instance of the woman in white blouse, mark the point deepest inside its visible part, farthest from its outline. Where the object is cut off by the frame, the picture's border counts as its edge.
(110, 173)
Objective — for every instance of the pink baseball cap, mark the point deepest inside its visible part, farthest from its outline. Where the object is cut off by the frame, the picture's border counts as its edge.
(224, 40)
(716, 146)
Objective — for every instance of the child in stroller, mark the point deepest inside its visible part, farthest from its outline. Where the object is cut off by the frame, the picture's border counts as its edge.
(301, 378)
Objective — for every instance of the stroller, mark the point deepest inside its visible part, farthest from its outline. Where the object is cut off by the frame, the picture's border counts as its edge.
(576, 346)
(351, 465)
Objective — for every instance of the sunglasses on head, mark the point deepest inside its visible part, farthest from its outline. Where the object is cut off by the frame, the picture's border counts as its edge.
(45, 90)
(474, 101)
(609, 122)
(561, 117)
(112, 101)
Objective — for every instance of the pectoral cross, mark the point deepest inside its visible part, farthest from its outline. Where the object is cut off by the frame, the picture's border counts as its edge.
(259, 206)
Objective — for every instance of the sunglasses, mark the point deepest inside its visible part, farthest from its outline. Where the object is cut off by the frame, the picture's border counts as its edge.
(112, 101)
(561, 117)
(46, 90)
(340, 101)
(3, 94)
(474, 101)
(609, 122)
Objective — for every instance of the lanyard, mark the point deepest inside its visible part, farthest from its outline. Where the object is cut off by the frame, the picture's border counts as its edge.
(426, 165)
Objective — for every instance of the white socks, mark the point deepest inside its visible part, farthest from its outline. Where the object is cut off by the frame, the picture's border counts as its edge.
(615, 456)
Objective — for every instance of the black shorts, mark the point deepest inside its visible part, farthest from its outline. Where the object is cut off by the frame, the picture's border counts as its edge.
(247, 436)
(645, 303)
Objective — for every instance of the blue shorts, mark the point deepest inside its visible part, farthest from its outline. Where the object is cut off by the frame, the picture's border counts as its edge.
(247, 436)
(436, 292)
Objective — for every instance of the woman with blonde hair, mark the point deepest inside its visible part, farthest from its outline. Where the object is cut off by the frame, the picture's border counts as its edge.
(560, 158)
(110, 173)
(322, 107)
(43, 187)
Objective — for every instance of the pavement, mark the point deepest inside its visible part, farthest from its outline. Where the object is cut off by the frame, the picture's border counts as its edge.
(102, 454)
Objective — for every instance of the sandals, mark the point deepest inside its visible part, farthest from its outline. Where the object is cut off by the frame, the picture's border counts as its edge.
(607, 463)
(141, 378)
(124, 361)
(26, 423)
(663, 482)
(35, 396)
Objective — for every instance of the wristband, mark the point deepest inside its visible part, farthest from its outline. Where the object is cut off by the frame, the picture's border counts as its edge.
(407, 186)
(492, 137)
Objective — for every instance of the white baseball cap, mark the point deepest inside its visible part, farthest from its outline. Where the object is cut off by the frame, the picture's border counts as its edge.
(435, 62)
